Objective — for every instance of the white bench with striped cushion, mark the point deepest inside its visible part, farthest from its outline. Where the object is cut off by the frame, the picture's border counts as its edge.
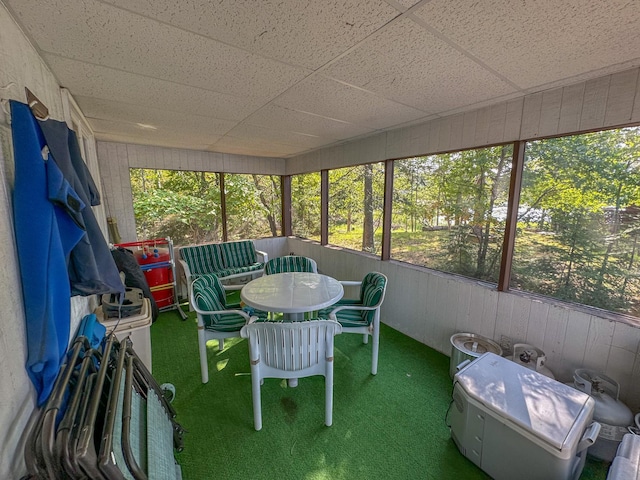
(226, 260)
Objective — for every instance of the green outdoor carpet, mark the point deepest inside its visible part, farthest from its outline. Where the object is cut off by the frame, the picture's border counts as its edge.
(388, 426)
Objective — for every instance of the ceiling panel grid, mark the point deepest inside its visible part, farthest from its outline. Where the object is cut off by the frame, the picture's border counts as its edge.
(278, 78)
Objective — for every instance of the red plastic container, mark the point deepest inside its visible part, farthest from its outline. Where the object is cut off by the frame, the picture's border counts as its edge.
(158, 277)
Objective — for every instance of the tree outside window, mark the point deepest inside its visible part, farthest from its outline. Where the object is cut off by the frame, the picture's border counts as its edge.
(449, 211)
(253, 206)
(306, 205)
(356, 196)
(178, 204)
(579, 220)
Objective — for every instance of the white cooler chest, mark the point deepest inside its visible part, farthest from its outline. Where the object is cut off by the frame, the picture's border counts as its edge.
(514, 422)
(136, 327)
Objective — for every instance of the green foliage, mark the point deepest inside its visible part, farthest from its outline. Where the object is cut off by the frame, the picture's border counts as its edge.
(253, 206)
(305, 205)
(350, 207)
(456, 193)
(187, 205)
(584, 250)
(182, 205)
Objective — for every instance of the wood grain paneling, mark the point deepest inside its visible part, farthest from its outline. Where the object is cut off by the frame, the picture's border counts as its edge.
(496, 127)
(594, 103)
(456, 131)
(481, 136)
(554, 335)
(513, 120)
(469, 129)
(598, 345)
(537, 323)
(622, 93)
(550, 112)
(531, 116)
(571, 108)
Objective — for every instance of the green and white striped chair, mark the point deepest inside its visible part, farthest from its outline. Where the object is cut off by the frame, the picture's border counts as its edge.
(216, 319)
(362, 315)
(290, 263)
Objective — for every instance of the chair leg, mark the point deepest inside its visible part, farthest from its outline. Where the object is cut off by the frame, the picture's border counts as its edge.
(202, 347)
(257, 406)
(328, 384)
(221, 344)
(365, 338)
(375, 347)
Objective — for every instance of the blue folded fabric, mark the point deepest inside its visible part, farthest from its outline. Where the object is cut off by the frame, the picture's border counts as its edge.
(92, 329)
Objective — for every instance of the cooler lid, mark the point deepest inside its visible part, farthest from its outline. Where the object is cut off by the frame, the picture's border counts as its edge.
(545, 407)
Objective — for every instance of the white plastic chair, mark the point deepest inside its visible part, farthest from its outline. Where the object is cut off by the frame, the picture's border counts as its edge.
(288, 350)
(290, 263)
(362, 315)
(216, 319)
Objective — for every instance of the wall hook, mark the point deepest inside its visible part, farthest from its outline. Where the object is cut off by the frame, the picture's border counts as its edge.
(4, 103)
(40, 111)
(8, 86)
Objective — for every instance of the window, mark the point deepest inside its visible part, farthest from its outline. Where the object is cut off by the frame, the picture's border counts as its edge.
(449, 211)
(253, 206)
(305, 205)
(579, 220)
(355, 207)
(182, 205)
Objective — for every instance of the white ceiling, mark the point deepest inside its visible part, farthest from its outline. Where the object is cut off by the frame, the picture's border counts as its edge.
(277, 78)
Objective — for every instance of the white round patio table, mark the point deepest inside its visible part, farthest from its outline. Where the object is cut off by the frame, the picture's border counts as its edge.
(292, 294)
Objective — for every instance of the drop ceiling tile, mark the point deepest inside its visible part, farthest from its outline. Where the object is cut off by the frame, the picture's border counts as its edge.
(156, 142)
(132, 115)
(323, 96)
(240, 64)
(111, 129)
(407, 3)
(541, 42)
(274, 116)
(243, 146)
(85, 79)
(300, 32)
(406, 63)
(285, 137)
(105, 35)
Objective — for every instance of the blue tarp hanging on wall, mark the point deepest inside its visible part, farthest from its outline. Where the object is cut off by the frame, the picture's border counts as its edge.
(92, 269)
(48, 224)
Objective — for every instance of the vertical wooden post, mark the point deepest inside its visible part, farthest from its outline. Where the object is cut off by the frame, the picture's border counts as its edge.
(512, 216)
(387, 210)
(285, 197)
(223, 208)
(324, 207)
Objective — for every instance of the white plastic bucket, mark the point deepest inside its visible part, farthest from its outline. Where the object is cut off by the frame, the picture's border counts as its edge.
(469, 346)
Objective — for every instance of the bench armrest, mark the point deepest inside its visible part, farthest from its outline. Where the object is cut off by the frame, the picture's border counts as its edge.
(187, 271)
(264, 255)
